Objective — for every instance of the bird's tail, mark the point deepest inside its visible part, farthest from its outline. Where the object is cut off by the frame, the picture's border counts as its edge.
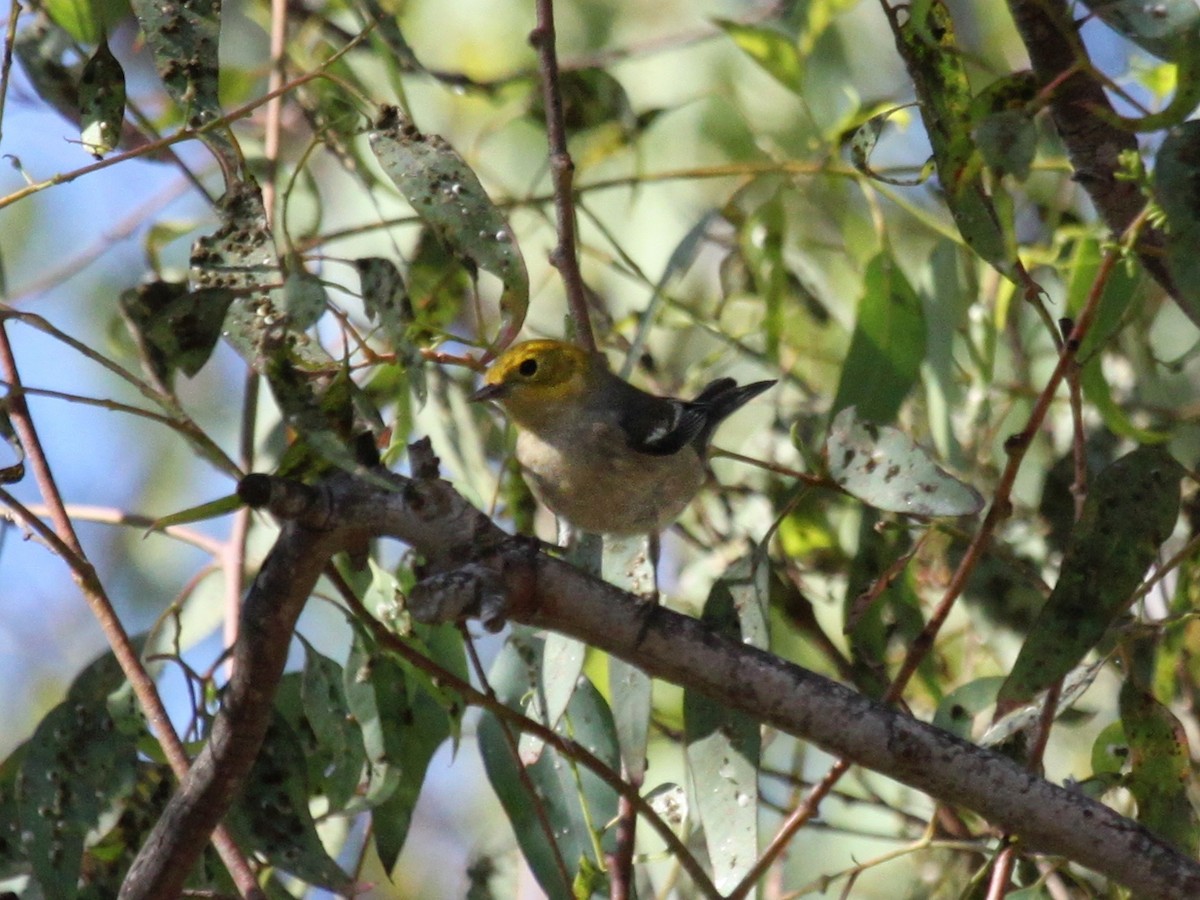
(720, 399)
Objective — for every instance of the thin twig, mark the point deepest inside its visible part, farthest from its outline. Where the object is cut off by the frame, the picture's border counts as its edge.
(562, 169)
(84, 575)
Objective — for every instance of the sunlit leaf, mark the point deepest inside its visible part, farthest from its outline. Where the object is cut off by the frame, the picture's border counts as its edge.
(777, 53)
(885, 468)
(87, 21)
(1130, 510)
(1161, 767)
(448, 197)
(723, 748)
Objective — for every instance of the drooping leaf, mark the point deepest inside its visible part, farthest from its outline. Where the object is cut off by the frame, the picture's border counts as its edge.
(175, 329)
(571, 798)
(591, 98)
(1160, 767)
(1004, 129)
(933, 58)
(77, 765)
(723, 748)
(183, 36)
(447, 195)
(304, 299)
(628, 564)
(1130, 510)
(387, 301)
(1177, 189)
(12, 465)
(101, 101)
(862, 141)
(272, 813)
(372, 681)
(339, 742)
(888, 345)
(1161, 28)
(884, 467)
(318, 398)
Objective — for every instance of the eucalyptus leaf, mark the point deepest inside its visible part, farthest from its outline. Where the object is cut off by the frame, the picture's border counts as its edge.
(887, 469)
(447, 195)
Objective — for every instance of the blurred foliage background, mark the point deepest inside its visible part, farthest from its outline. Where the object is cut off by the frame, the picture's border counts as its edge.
(755, 198)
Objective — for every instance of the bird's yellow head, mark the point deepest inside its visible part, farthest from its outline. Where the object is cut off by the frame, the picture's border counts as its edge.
(531, 379)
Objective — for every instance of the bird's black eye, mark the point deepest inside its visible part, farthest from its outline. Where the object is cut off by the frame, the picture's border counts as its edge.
(527, 367)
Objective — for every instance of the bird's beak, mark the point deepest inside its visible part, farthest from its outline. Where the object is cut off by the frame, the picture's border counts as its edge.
(489, 392)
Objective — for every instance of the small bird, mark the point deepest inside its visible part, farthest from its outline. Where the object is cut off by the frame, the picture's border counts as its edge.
(602, 454)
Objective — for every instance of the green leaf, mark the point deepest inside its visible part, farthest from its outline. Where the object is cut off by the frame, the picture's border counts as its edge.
(723, 748)
(316, 395)
(1130, 510)
(888, 345)
(448, 197)
(862, 141)
(304, 299)
(339, 742)
(958, 709)
(1177, 189)
(574, 801)
(214, 509)
(627, 564)
(175, 329)
(386, 301)
(101, 101)
(591, 98)
(87, 21)
(1161, 28)
(14, 470)
(372, 681)
(13, 859)
(934, 60)
(885, 468)
(777, 53)
(75, 767)
(1008, 142)
(184, 37)
(1161, 768)
(426, 725)
(272, 814)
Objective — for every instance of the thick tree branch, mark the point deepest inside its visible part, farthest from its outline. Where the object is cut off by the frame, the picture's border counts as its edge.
(480, 570)
(1088, 125)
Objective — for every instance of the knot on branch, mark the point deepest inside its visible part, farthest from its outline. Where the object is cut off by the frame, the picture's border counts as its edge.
(284, 498)
(488, 589)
